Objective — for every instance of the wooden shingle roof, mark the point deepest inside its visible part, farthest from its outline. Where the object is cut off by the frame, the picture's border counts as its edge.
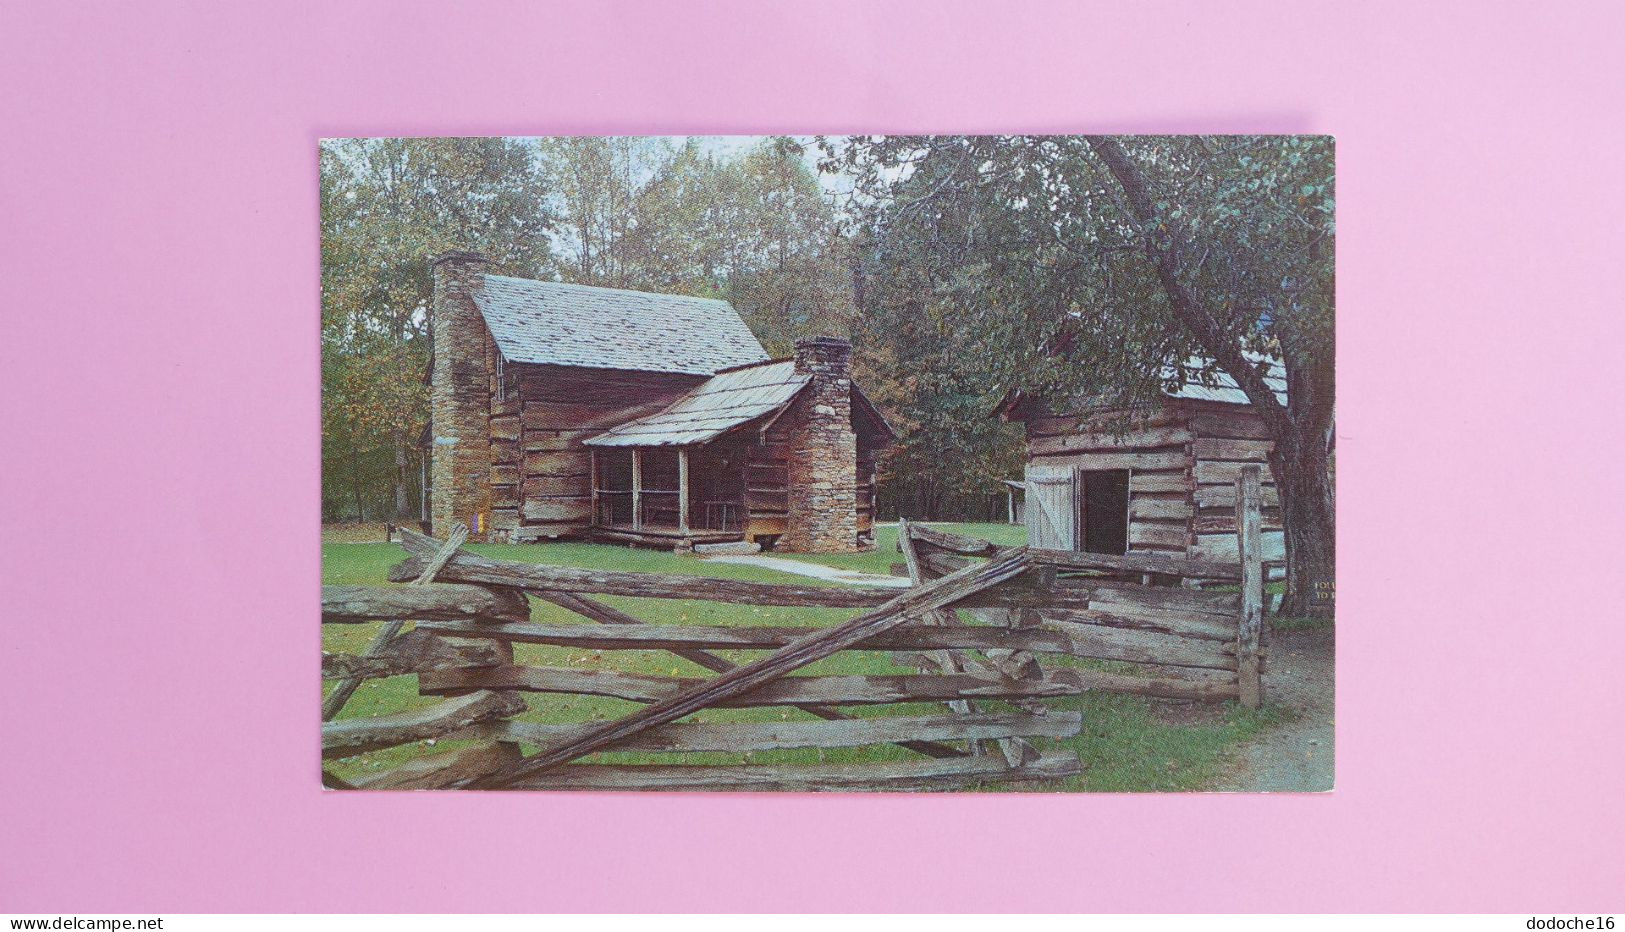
(610, 328)
(716, 406)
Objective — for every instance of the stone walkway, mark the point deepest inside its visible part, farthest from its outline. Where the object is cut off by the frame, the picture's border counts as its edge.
(813, 570)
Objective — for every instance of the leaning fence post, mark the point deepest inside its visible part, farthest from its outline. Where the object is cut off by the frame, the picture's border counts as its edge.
(905, 546)
(346, 688)
(1249, 548)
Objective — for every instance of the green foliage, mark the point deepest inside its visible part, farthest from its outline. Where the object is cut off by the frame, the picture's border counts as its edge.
(388, 206)
(1040, 263)
(934, 381)
(593, 184)
(756, 230)
(793, 279)
(1029, 242)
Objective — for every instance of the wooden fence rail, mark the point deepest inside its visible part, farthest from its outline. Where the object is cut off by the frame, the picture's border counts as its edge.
(978, 624)
(1179, 635)
(460, 649)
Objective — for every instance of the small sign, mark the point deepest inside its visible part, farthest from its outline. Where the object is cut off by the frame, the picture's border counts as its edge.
(1324, 592)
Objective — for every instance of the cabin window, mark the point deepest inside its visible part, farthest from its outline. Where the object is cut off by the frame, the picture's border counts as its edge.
(502, 379)
(1103, 511)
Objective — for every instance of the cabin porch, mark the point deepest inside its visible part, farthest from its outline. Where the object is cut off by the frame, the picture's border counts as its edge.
(666, 496)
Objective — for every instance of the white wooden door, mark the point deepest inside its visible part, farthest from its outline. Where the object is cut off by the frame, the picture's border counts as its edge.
(1052, 507)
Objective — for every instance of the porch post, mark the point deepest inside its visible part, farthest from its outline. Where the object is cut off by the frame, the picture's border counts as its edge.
(682, 490)
(592, 465)
(637, 489)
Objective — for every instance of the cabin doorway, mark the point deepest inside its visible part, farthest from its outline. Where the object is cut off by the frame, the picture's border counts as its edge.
(1103, 511)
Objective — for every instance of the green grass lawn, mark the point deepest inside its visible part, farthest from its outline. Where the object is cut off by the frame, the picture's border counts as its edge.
(1127, 743)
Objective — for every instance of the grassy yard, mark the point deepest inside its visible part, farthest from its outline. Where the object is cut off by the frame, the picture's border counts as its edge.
(1127, 743)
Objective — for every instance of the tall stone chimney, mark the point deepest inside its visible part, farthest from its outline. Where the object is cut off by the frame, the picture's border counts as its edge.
(459, 398)
(824, 453)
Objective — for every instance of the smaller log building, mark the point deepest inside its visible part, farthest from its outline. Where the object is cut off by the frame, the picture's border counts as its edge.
(564, 410)
(1156, 481)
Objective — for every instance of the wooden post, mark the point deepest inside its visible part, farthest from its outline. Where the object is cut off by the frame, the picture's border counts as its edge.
(945, 661)
(682, 490)
(1250, 548)
(592, 466)
(905, 544)
(637, 489)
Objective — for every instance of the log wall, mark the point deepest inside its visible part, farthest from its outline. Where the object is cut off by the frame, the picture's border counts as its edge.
(767, 484)
(1156, 450)
(542, 477)
(1183, 461)
(1226, 438)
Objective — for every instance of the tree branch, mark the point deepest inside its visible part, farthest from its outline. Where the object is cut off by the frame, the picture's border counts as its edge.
(1208, 329)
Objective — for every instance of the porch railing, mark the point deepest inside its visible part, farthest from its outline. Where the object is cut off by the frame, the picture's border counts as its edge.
(659, 509)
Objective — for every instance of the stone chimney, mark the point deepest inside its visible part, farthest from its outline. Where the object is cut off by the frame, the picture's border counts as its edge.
(824, 453)
(459, 398)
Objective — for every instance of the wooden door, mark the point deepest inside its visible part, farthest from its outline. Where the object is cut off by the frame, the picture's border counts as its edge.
(1052, 507)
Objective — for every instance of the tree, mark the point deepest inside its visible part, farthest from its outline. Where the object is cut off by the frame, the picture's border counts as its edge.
(790, 275)
(593, 184)
(756, 229)
(926, 372)
(686, 234)
(927, 364)
(388, 206)
(1092, 263)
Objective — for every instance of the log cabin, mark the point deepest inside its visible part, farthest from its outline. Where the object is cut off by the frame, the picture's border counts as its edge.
(1159, 480)
(561, 410)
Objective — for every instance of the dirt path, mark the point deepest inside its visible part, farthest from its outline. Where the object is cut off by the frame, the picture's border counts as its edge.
(813, 570)
(1297, 756)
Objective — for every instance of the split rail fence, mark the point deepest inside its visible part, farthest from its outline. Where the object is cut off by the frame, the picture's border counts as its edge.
(977, 624)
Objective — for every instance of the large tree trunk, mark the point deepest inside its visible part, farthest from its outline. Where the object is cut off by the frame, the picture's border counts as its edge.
(1303, 480)
(1302, 466)
(1300, 430)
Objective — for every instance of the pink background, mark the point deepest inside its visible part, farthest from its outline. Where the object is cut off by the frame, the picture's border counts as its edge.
(159, 359)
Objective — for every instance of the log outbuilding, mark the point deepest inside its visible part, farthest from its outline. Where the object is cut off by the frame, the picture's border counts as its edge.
(564, 410)
(1158, 480)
